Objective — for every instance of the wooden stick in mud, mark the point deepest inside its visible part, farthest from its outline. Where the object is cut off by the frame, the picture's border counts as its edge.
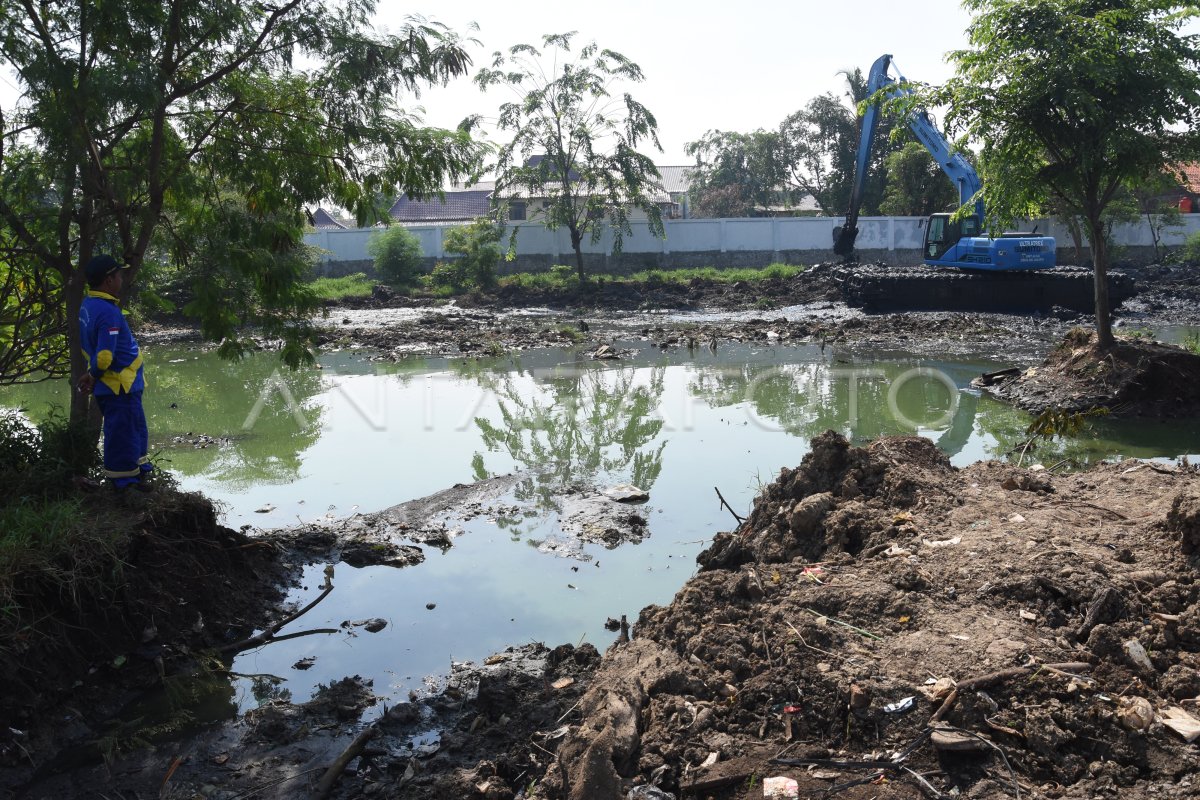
(268, 635)
(1001, 676)
(325, 785)
(731, 511)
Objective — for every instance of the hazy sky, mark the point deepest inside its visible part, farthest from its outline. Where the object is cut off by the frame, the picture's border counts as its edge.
(729, 65)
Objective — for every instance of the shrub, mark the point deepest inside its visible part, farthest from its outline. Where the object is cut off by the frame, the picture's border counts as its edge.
(1191, 342)
(478, 249)
(40, 461)
(1189, 251)
(397, 255)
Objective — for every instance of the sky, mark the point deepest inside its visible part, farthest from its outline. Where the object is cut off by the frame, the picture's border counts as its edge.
(729, 65)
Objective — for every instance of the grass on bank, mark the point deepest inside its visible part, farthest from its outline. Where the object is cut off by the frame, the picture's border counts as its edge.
(564, 277)
(333, 289)
(561, 277)
(54, 542)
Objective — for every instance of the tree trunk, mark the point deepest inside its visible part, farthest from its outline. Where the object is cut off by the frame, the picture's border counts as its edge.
(1072, 224)
(74, 296)
(577, 244)
(1099, 245)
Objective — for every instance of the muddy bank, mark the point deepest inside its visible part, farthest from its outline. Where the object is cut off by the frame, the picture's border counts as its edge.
(1135, 378)
(995, 630)
(180, 585)
(1051, 622)
(456, 333)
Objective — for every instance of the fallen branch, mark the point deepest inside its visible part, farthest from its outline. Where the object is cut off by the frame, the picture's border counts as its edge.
(1065, 669)
(731, 511)
(268, 635)
(714, 783)
(325, 785)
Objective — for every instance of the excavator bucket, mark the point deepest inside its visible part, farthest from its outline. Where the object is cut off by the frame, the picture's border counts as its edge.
(843, 240)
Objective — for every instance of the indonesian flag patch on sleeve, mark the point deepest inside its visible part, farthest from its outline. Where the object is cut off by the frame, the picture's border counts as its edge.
(113, 331)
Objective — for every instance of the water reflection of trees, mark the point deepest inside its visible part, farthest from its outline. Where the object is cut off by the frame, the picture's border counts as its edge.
(201, 394)
(582, 426)
(803, 399)
(1104, 437)
(807, 399)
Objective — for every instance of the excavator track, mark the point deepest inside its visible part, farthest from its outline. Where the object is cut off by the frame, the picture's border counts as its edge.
(882, 288)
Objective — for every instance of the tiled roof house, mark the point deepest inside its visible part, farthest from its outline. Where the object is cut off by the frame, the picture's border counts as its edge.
(456, 205)
(323, 220)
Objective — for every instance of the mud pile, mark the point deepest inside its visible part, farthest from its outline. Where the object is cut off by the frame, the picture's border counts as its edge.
(895, 627)
(1137, 378)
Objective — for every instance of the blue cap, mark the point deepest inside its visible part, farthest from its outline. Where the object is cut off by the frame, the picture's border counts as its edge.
(101, 266)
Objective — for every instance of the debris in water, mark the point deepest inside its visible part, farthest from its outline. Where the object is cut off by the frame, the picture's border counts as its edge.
(627, 493)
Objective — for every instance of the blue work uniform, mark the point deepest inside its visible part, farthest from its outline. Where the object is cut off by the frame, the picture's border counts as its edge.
(116, 364)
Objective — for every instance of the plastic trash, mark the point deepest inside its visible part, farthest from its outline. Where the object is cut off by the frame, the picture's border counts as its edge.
(900, 706)
(780, 788)
(648, 793)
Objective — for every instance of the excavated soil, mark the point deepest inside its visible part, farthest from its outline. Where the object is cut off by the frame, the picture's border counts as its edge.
(866, 577)
(1050, 624)
(1134, 378)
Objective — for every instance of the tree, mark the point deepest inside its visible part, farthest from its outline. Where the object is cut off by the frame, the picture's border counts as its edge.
(916, 185)
(1073, 100)
(478, 249)
(735, 173)
(821, 143)
(139, 122)
(574, 142)
(397, 254)
(32, 326)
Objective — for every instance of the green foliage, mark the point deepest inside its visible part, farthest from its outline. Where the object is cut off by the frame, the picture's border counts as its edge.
(397, 254)
(478, 248)
(32, 316)
(1191, 342)
(1189, 251)
(737, 173)
(1073, 100)
(574, 142)
(138, 121)
(332, 289)
(246, 270)
(571, 333)
(916, 185)
(821, 145)
(40, 461)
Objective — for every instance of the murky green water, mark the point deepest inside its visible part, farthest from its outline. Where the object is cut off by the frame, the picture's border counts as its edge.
(361, 435)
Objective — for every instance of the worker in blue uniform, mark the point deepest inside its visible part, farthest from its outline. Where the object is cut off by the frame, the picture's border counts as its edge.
(114, 375)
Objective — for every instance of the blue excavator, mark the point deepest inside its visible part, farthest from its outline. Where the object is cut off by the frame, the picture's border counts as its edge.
(949, 242)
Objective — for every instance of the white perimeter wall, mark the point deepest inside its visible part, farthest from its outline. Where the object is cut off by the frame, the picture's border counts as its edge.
(725, 235)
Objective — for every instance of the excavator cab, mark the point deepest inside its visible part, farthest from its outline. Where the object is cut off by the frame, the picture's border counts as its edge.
(942, 232)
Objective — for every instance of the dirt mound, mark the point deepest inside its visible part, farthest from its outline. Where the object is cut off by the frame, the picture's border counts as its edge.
(180, 583)
(839, 500)
(987, 632)
(1135, 378)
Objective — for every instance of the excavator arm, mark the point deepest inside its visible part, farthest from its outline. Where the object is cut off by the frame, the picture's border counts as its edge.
(953, 164)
